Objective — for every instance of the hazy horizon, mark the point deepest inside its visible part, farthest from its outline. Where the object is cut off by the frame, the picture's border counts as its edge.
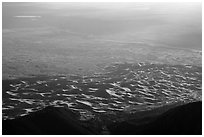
(169, 24)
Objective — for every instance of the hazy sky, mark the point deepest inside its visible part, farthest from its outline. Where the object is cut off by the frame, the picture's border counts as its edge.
(171, 24)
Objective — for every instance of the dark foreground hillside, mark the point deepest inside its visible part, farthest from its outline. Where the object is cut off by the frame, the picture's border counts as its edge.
(182, 120)
(185, 119)
(50, 120)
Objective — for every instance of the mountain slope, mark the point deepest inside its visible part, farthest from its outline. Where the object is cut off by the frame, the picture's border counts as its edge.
(185, 120)
(182, 120)
(51, 120)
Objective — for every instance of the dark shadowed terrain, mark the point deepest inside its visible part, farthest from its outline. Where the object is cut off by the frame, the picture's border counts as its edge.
(181, 120)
